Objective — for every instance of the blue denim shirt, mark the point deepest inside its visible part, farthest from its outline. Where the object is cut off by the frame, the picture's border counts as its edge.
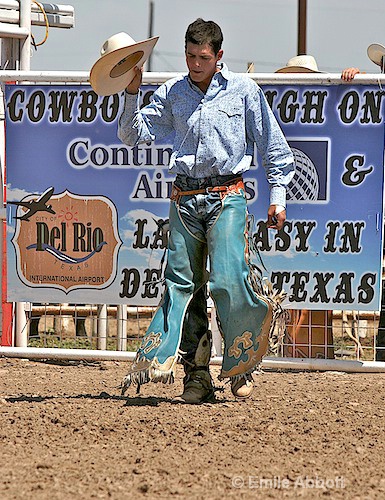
(215, 132)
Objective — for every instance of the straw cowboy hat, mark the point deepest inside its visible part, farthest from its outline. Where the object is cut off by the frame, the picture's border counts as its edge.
(115, 68)
(300, 64)
(376, 52)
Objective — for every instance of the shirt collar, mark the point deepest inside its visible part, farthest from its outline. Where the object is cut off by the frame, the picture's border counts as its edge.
(224, 71)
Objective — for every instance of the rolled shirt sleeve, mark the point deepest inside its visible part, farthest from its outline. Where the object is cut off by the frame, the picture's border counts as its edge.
(277, 157)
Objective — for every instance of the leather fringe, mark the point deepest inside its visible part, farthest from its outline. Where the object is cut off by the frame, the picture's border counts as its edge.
(150, 374)
(281, 316)
(236, 378)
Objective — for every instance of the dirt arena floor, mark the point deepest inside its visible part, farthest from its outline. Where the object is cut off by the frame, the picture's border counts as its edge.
(67, 433)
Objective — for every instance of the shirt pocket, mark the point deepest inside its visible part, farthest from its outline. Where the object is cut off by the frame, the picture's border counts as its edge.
(230, 110)
(230, 123)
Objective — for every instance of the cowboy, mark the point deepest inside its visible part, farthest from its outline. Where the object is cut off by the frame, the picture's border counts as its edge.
(217, 117)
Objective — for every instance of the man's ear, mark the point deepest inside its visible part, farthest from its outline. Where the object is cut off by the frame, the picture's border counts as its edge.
(220, 54)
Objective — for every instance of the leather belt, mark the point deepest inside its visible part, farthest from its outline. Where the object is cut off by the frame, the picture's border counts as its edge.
(232, 186)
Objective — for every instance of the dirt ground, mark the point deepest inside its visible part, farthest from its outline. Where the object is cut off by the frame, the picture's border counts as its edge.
(67, 433)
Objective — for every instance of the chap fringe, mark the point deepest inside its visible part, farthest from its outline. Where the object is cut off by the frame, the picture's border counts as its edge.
(264, 288)
(149, 374)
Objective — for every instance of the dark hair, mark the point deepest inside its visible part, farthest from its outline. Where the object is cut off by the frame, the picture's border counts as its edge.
(200, 32)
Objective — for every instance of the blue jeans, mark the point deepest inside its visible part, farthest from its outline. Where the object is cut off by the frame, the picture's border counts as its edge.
(207, 208)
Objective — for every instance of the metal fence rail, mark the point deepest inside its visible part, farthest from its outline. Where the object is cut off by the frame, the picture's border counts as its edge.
(161, 77)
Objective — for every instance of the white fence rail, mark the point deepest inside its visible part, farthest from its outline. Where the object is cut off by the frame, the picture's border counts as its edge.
(160, 77)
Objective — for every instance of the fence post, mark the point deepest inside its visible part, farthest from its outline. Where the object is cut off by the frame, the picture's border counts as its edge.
(121, 315)
(216, 334)
(102, 327)
(21, 325)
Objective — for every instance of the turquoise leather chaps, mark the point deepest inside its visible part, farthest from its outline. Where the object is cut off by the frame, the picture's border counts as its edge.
(209, 227)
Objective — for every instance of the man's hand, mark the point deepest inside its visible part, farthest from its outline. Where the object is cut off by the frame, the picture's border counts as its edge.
(349, 73)
(275, 221)
(136, 82)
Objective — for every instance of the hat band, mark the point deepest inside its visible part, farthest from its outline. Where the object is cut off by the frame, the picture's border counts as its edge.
(126, 64)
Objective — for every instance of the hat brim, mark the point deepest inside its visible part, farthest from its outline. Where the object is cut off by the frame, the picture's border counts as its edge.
(115, 70)
(296, 69)
(376, 52)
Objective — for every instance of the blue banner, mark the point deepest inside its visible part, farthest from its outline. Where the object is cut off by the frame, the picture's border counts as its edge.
(85, 212)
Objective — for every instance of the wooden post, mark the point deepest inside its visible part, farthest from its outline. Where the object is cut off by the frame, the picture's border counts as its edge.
(301, 47)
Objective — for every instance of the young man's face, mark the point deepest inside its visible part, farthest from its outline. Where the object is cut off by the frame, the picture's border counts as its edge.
(202, 63)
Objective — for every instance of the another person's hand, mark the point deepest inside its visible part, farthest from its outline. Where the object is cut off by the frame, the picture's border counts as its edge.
(136, 82)
(275, 221)
(349, 73)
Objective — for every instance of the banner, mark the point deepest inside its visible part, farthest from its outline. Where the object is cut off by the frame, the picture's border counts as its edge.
(85, 212)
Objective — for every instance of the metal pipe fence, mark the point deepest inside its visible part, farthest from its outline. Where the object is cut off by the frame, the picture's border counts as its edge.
(72, 331)
(161, 77)
(344, 335)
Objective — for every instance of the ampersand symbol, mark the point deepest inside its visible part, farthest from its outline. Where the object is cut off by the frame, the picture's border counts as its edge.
(354, 175)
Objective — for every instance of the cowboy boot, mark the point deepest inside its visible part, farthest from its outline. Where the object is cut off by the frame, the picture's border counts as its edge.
(243, 387)
(197, 383)
(198, 388)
